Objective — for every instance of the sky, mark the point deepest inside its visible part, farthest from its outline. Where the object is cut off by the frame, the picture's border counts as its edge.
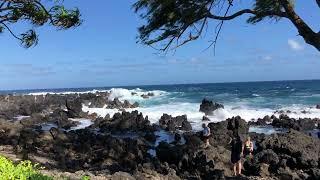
(103, 52)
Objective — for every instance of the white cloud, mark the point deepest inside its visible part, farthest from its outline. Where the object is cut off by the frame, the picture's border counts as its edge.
(295, 45)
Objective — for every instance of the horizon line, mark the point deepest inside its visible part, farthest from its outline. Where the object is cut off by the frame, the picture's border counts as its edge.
(169, 84)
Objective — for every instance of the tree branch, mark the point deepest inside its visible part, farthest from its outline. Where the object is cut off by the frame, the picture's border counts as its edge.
(191, 37)
(212, 16)
(304, 30)
(246, 11)
(318, 2)
(15, 36)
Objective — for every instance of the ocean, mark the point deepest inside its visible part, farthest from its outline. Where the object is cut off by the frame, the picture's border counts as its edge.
(250, 100)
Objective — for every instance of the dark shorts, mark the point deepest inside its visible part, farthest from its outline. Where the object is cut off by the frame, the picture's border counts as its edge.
(235, 158)
(205, 137)
(246, 152)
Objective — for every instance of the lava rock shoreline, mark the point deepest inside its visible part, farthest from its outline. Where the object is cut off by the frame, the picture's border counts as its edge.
(98, 152)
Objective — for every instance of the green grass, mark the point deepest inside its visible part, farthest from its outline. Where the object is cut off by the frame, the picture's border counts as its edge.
(85, 178)
(25, 170)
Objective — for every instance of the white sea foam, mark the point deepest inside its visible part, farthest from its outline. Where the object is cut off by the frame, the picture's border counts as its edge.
(20, 117)
(83, 123)
(266, 130)
(66, 92)
(133, 94)
(175, 106)
(195, 117)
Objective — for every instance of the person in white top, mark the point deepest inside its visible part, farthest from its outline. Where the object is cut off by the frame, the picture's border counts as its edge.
(206, 135)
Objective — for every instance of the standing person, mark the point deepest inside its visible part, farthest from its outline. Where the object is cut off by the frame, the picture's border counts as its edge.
(206, 135)
(247, 147)
(236, 153)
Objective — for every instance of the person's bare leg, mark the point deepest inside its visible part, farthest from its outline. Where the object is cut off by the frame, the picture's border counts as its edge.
(207, 143)
(239, 167)
(235, 169)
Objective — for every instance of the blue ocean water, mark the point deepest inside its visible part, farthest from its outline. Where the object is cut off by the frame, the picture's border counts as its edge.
(250, 100)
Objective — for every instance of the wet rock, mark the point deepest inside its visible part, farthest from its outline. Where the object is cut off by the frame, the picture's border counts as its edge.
(186, 126)
(205, 118)
(148, 95)
(177, 138)
(117, 104)
(150, 136)
(125, 121)
(208, 107)
(97, 102)
(170, 123)
(318, 106)
(74, 107)
(60, 118)
(261, 122)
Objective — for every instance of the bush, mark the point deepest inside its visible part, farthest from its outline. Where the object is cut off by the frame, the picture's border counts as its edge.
(25, 170)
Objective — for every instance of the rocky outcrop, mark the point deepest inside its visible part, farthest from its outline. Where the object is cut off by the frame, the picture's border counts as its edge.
(285, 121)
(205, 118)
(189, 164)
(289, 155)
(302, 149)
(224, 130)
(117, 104)
(209, 106)
(74, 107)
(262, 122)
(61, 119)
(125, 121)
(148, 95)
(170, 123)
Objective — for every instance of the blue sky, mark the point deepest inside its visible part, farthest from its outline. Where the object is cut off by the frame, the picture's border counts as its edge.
(103, 52)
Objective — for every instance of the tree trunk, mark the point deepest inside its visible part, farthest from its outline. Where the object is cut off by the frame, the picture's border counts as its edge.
(304, 30)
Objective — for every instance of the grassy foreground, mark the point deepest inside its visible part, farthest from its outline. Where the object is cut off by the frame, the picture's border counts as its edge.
(25, 170)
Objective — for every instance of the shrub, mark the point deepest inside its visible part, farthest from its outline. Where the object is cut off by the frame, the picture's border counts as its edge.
(25, 170)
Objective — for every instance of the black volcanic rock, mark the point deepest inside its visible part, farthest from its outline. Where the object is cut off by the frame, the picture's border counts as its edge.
(205, 118)
(74, 107)
(125, 121)
(117, 104)
(302, 124)
(261, 122)
(302, 150)
(209, 106)
(223, 131)
(170, 123)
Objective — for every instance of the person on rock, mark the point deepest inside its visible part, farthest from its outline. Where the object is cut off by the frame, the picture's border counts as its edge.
(206, 135)
(236, 153)
(247, 148)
